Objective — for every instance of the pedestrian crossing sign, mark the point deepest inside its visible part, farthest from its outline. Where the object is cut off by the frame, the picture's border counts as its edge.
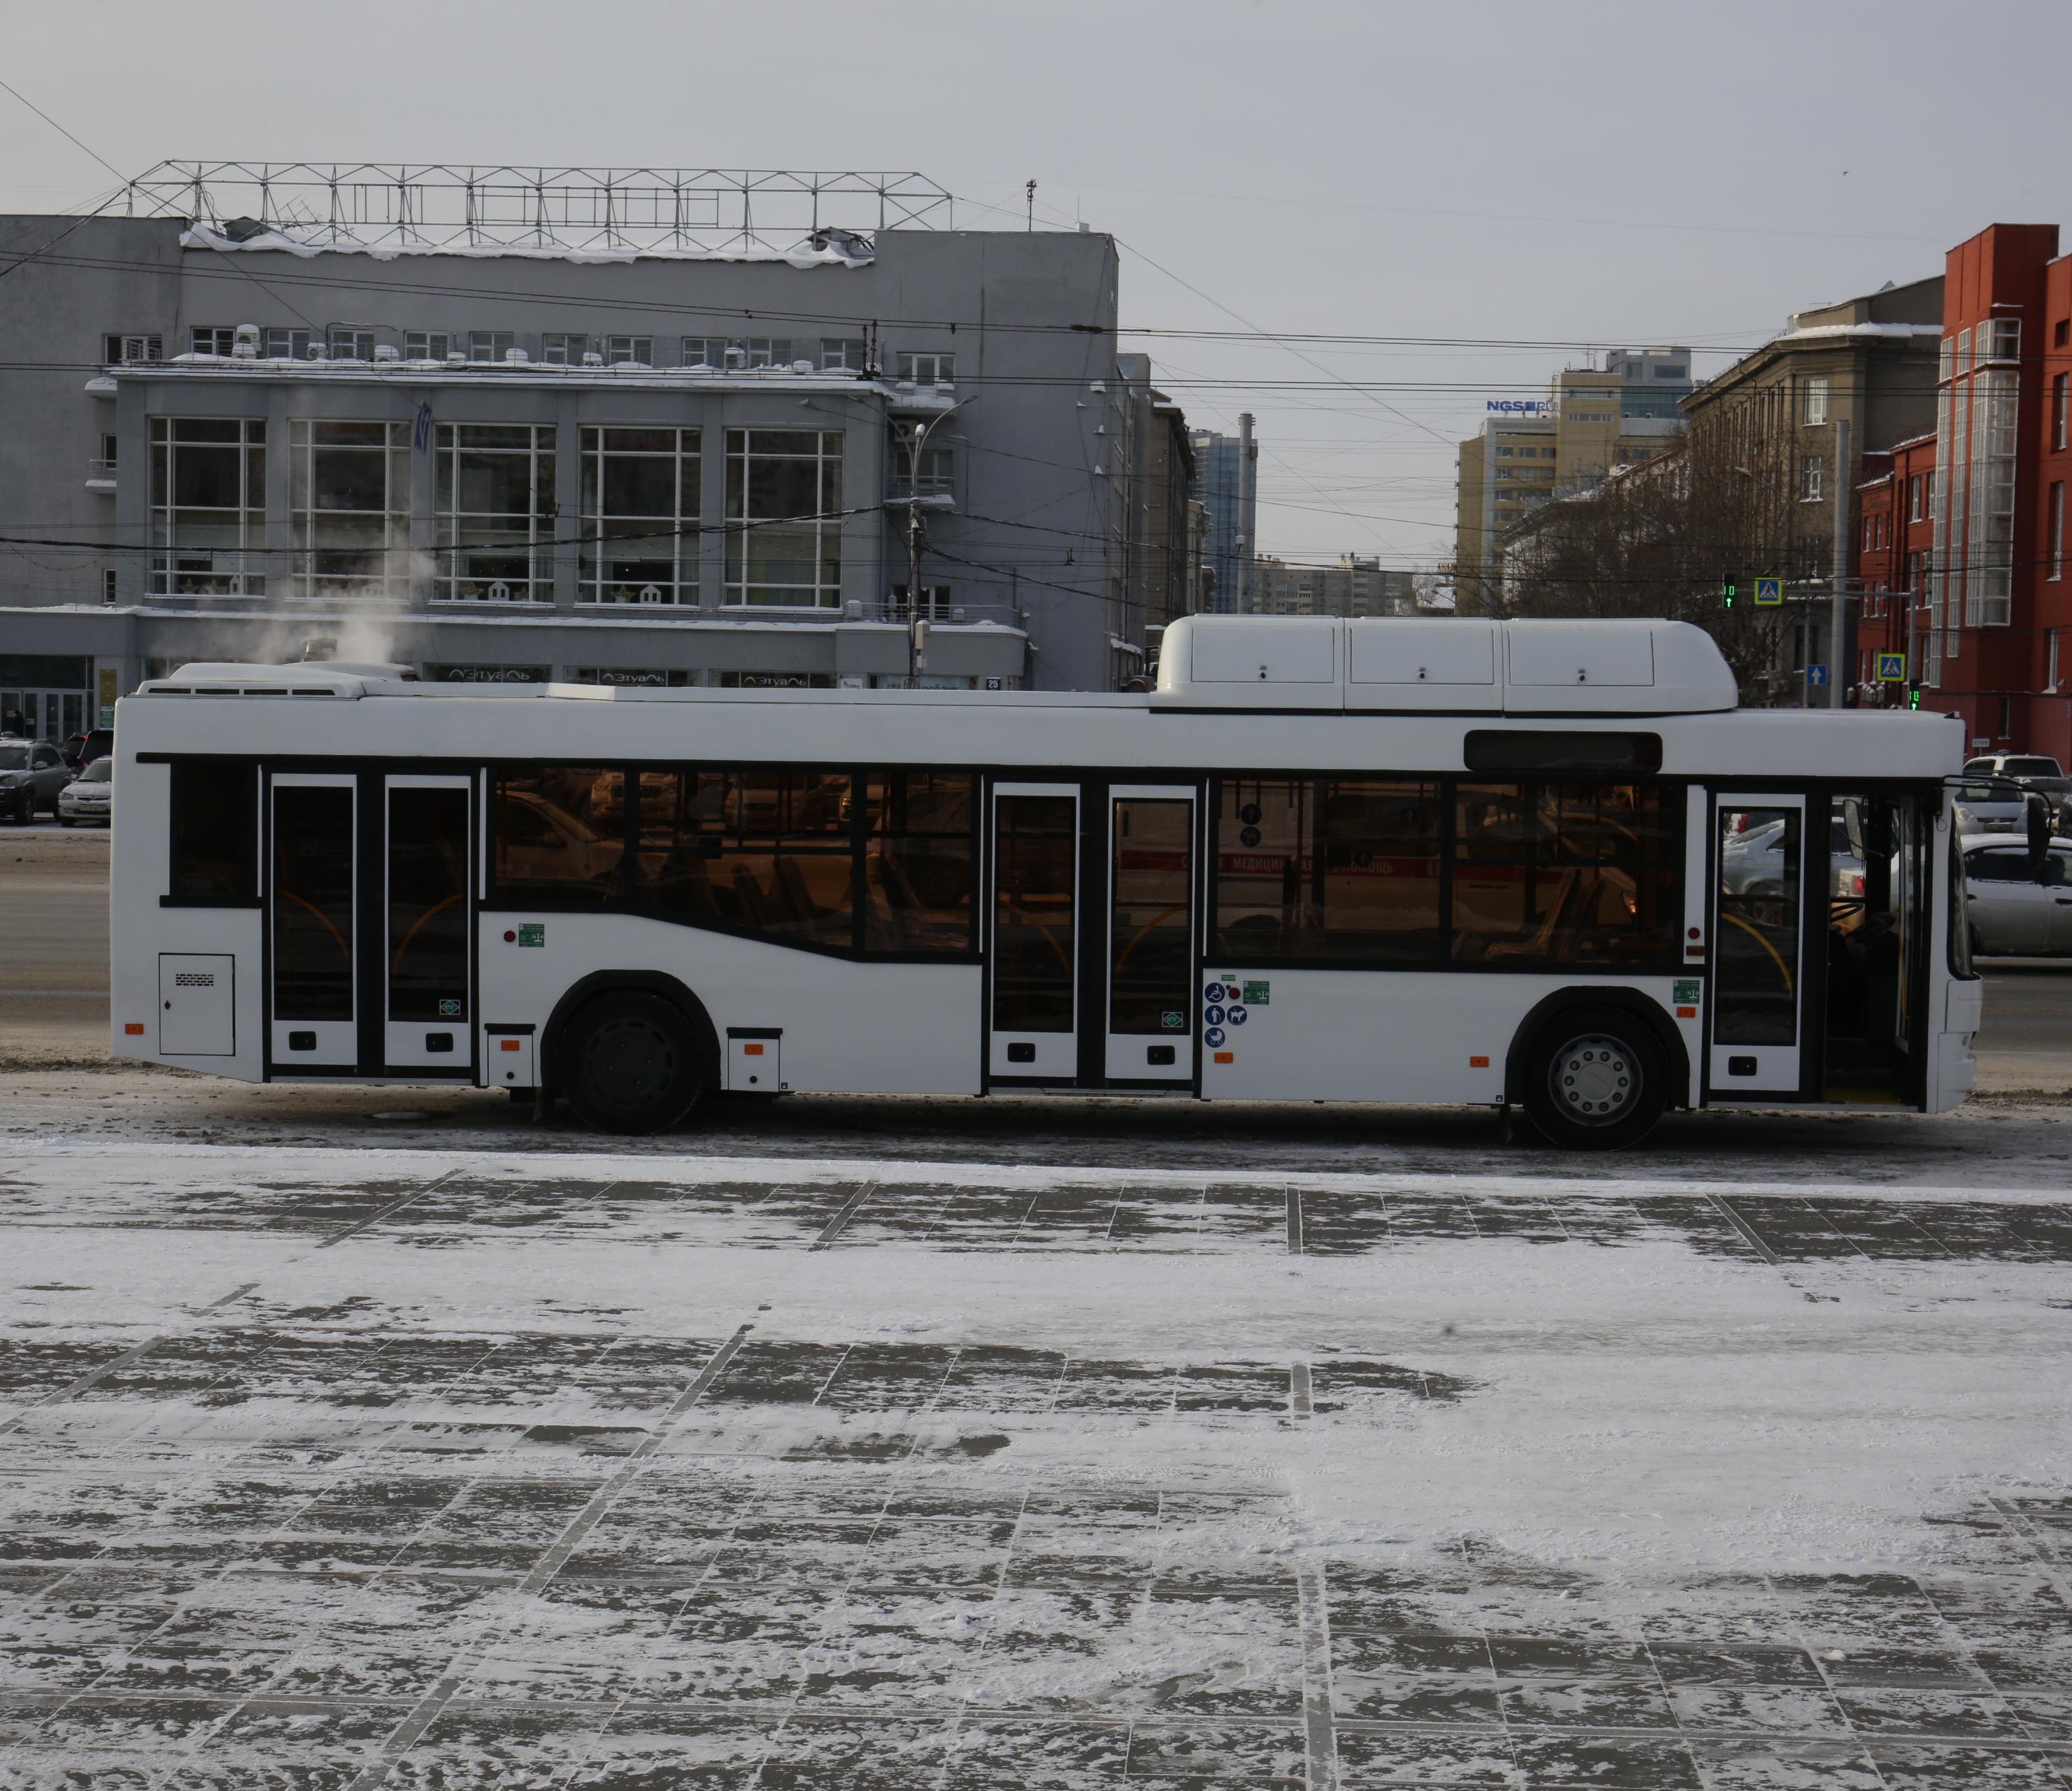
(1769, 591)
(1891, 667)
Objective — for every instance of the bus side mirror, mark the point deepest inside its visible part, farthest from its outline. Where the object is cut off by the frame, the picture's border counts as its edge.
(2037, 814)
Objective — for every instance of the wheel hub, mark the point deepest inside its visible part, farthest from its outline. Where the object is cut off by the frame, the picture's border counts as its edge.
(1594, 1079)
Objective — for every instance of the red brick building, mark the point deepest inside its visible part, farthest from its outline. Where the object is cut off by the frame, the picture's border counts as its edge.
(1895, 538)
(1993, 622)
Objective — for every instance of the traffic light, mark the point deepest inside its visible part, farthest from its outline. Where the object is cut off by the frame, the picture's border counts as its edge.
(1729, 590)
(1913, 696)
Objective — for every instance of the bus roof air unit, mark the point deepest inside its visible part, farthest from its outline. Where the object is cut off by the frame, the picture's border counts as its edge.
(1461, 666)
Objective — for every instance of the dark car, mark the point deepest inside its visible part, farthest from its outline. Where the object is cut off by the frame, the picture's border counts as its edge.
(81, 750)
(31, 774)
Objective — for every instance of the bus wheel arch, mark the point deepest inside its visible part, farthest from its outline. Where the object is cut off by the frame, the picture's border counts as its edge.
(1630, 1023)
(634, 1002)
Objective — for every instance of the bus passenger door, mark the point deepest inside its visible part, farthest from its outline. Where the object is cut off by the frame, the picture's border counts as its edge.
(1761, 860)
(427, 915)
(1033, 944)
(312, 922)
(1150, 934)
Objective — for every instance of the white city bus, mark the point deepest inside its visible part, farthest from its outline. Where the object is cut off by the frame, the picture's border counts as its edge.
(1546, 863)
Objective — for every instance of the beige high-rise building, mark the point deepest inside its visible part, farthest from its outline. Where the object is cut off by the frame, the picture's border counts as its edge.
(1592, 420)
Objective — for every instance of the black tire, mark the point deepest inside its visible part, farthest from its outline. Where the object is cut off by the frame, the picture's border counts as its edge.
(629, 1063)
(1596, 1079)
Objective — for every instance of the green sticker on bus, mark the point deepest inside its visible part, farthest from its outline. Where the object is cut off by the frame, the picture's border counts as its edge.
(1256, 993)
(1171, 1021)
(533, 932)
(1687, 988)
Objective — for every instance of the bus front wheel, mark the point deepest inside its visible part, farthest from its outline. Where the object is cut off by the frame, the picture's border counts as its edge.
(631, 1063)
(1596, 1079)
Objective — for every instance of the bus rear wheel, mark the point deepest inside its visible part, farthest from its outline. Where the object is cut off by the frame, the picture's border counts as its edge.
(1595, 1080)
(631, 1063)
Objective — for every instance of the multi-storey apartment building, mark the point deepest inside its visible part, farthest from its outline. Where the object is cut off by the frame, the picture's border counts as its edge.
(428, 415)
(1990, 627)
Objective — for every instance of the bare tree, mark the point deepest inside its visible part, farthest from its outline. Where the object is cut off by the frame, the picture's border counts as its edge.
(1662, 537)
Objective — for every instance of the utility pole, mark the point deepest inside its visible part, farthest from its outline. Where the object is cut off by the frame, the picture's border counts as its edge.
(1032, 205)
(1838, 623)
(917, 627)
(1247, 499)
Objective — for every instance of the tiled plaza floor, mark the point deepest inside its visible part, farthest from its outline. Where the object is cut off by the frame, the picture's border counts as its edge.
(332, 1469)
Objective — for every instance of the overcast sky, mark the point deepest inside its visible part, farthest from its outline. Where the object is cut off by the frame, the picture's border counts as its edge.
(1595, 173)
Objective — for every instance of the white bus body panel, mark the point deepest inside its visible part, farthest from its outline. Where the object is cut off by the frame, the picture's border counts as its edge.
(1387, 1034)
(848, 1027)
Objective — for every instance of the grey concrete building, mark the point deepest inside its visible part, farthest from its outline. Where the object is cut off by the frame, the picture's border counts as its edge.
(639, 453)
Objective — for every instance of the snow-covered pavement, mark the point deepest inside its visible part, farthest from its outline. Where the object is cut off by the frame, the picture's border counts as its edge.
(333, 1467)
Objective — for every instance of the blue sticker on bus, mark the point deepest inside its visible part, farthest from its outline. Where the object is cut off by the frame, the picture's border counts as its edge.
(1212, 1014)
(1237, 1016)
(1213, 1037)
(1214, 992)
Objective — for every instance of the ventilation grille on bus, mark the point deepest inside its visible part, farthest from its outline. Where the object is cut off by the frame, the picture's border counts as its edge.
(235, 690)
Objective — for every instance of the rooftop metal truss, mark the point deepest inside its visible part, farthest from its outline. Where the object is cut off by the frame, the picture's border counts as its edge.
(429, 207)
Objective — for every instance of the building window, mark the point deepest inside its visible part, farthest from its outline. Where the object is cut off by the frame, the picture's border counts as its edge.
(496, 506)
(208, 507)
(490, 344)
(427, 344)
(1672, 371)
(928, 369)
(1916, 499)
(937, 471)
(784, 497)
(1505, 453)
(2000, 339)
(563, 349)
(212, 339)
(766, 351)
(705, 350)
(288, 345)
(122, 350)
(639, 516)
(2054, 551)
(2059, 398)
(842, 354)
(349, 507)
(109, 590)
(351, 342)
(2050, 668)
(1815, 410)
(1812, 479)
(629, 351)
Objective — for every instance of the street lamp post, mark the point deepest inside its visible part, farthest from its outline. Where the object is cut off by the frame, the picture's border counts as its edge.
(915, 625)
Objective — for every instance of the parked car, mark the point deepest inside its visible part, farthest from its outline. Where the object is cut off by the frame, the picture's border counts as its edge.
(1752, 863)
(1999, 807)
(2012, 911)
(2022, 767)
(31, 774)
(81, 750)
(90, 797)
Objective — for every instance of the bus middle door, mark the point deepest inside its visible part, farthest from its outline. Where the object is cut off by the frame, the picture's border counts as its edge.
(1762, 862)
(427, 924)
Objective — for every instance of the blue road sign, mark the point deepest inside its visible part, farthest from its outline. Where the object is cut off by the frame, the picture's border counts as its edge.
(1891, 667)
(1769, 591)
(1816, 674)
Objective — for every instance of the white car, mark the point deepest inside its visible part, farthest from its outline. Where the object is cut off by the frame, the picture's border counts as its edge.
(1999, 807)
(89, 798)
(2011, 912)
(1753, 863)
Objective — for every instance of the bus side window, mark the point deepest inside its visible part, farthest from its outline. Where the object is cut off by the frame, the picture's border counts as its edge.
(215, 828)
(917, 869)
(561, 835)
